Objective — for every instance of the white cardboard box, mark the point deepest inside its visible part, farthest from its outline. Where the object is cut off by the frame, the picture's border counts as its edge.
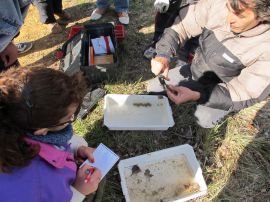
(163, 177)
(137, 112)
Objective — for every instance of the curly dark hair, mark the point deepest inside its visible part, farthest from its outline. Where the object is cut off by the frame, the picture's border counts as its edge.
(260, 7)
(32, 98)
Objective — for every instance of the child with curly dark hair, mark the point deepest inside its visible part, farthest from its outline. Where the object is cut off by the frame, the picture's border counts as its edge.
(37, 107)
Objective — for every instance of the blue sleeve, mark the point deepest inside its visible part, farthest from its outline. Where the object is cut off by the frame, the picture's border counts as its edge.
(11, 20)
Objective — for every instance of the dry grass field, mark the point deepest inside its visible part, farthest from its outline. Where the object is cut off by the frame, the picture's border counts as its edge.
(234, 156)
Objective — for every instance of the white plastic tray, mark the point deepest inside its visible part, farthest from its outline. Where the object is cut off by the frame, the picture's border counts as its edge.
(137, 112)
(165, 181)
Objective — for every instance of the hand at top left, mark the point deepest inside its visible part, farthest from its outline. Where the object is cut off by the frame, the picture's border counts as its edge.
(9, 55)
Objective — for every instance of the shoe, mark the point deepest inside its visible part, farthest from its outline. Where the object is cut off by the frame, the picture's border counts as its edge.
(123, 17)
(89, 101)
(150, 53)
(97, 14)
(24, 47)
(64, 17)
(55, 28)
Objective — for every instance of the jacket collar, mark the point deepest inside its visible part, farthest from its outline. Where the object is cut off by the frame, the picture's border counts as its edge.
(258, 30)
(56, 157)
(255, 31)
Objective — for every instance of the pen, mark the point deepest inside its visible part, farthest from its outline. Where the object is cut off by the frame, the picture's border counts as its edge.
(89, 172)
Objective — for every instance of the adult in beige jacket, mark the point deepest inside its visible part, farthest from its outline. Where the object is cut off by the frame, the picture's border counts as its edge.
(231, 67)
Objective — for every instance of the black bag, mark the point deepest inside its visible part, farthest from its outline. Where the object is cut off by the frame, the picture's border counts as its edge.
(75, 53)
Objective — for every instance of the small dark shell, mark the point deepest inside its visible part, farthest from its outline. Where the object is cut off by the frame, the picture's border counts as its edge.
(147, 173)
(135, 169)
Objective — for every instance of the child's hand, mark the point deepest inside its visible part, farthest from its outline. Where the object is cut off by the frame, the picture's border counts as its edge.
(91, 184)
(84, 152)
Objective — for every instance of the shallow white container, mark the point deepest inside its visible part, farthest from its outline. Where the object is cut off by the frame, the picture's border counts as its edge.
(163, 181)
(137, 112)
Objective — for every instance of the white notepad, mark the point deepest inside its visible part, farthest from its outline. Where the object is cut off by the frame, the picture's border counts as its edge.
(100, 47)
(104, 159)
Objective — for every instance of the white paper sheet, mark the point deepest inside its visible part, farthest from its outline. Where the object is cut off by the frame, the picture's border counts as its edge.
(99, 45)
(104, 159)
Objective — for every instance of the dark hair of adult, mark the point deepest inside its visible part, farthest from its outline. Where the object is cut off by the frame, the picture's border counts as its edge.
(30, 99)
(260, 7)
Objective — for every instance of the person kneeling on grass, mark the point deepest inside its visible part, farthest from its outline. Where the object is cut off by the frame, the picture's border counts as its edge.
(37, 107)
(231, 67)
